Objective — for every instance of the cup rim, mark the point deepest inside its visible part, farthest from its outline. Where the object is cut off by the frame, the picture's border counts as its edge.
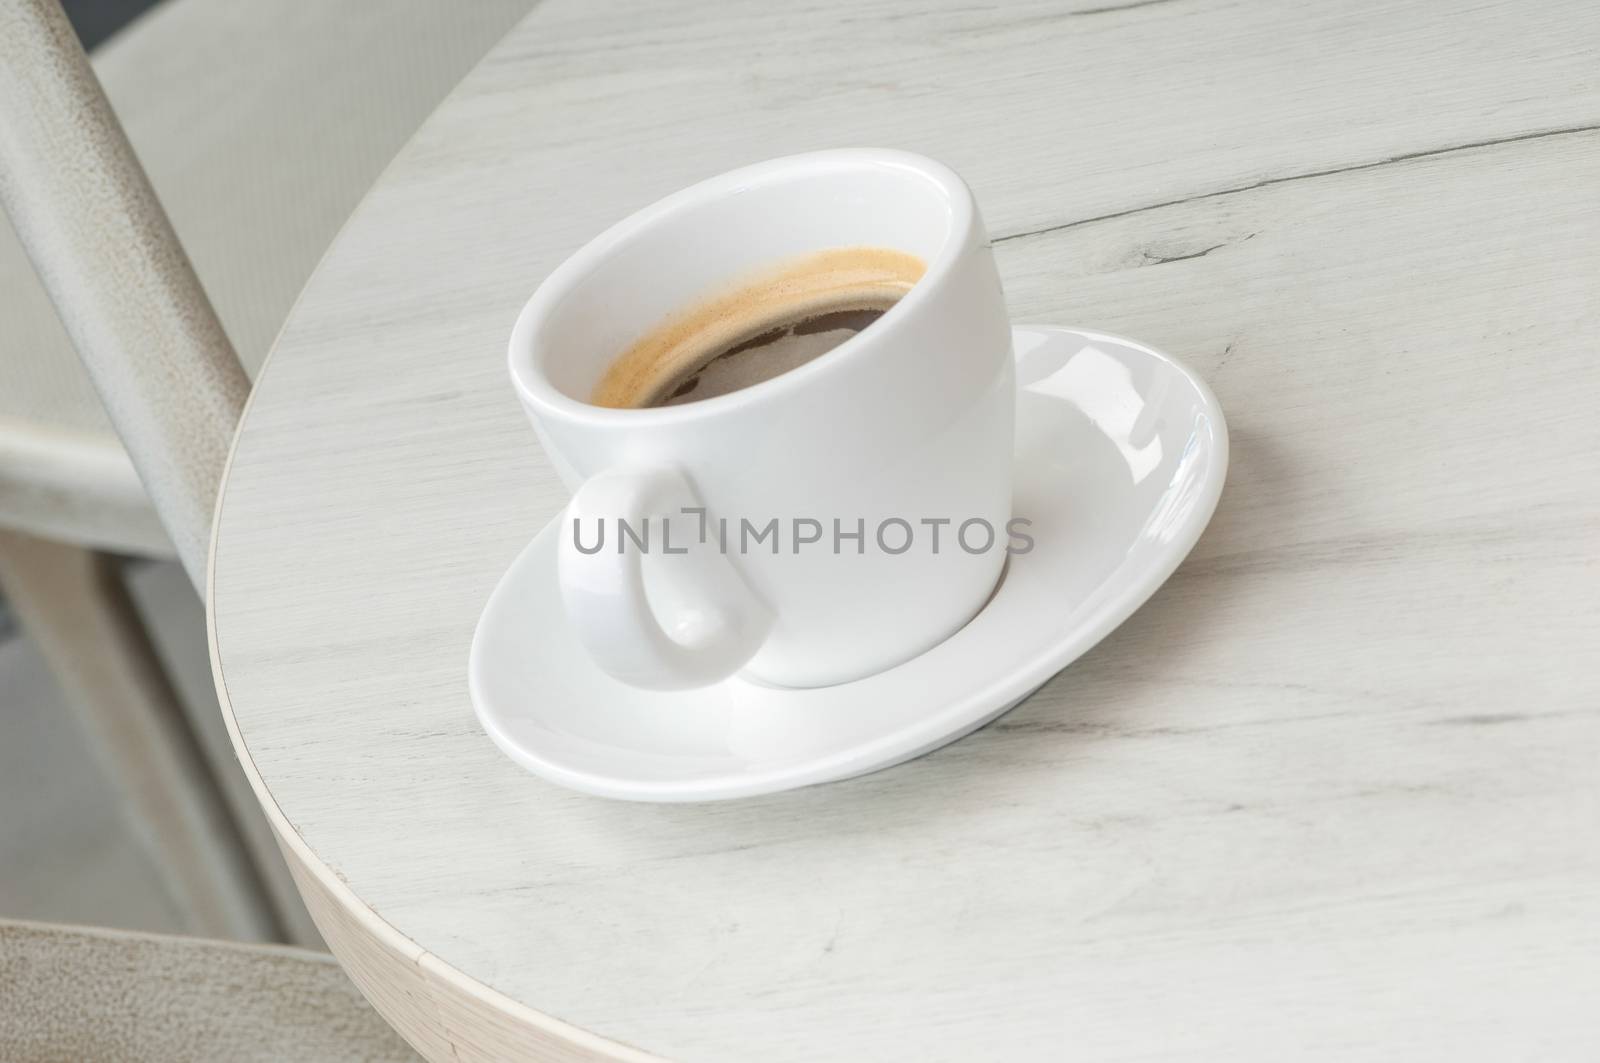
(540, 394)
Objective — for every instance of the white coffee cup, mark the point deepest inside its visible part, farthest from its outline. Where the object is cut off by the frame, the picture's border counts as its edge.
(905, 425)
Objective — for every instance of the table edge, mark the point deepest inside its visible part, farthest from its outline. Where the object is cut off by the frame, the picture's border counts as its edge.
(442, 1011)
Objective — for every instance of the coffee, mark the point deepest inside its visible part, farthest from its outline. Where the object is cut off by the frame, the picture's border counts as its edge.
(761, 327)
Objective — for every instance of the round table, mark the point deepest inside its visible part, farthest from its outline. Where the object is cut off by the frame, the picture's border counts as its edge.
(1332, 793)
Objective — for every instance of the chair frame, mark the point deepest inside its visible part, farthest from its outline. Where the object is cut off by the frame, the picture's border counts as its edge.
(91, 224)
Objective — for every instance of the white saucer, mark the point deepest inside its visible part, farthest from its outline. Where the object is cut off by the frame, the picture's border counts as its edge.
(1121, 453)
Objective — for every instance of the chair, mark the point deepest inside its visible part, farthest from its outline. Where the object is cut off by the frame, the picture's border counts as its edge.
(260, 126)
(83, 995)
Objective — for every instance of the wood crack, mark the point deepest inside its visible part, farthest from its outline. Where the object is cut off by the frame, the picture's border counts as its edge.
(1122, 7)
(1156, 259)
(1268, 182)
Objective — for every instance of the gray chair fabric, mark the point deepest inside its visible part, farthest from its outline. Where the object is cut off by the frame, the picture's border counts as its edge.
(80, 995)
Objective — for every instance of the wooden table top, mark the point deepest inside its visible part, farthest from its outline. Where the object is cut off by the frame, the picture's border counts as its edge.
(1332, 793)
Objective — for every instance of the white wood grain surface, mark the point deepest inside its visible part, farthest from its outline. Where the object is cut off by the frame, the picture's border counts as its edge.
(1331, 794)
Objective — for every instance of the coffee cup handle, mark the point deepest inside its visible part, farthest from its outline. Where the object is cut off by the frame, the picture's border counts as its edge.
(603, 587)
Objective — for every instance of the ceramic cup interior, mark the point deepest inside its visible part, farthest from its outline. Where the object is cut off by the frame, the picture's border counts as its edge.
(678, 251)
